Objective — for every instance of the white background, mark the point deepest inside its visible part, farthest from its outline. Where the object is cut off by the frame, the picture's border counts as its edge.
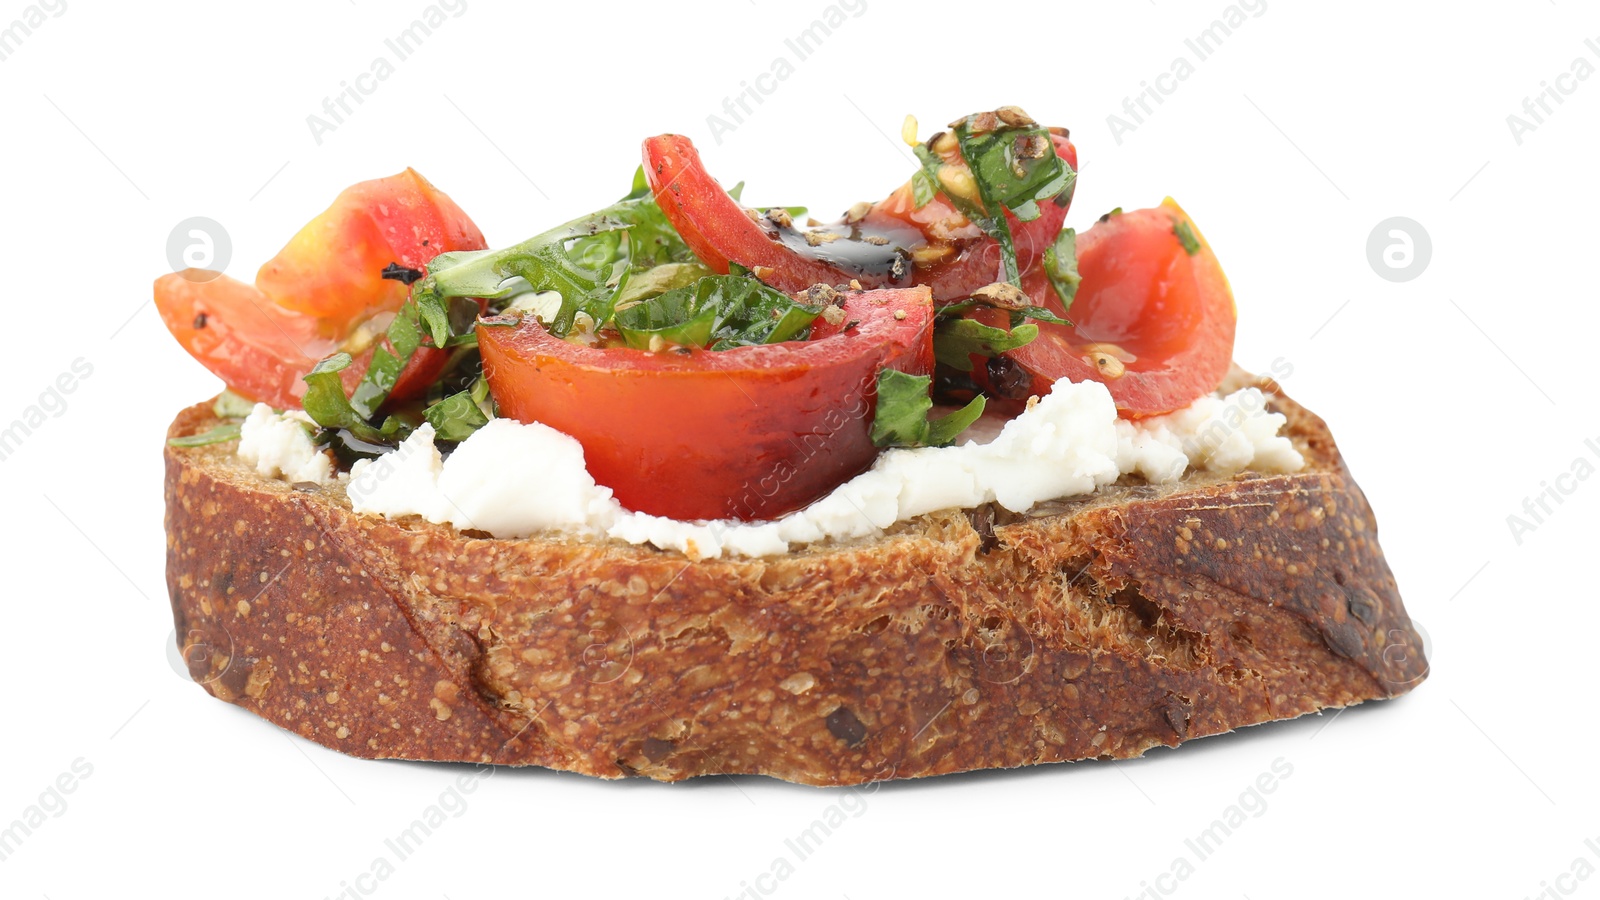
(1454, 397)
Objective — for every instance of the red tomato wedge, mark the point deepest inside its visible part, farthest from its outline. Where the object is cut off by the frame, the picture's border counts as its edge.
(330, 268)
(747, 433)
(719, 230)
(253, 344)
(313, 298)
(1153, 322)
(261, 350)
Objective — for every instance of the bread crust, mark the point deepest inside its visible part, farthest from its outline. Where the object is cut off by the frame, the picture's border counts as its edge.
(1141, 616)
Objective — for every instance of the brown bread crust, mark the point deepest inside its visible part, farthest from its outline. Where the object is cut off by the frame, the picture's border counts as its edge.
(1138, 617)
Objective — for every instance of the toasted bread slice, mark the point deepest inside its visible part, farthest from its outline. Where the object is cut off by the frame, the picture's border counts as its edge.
(1142, 615)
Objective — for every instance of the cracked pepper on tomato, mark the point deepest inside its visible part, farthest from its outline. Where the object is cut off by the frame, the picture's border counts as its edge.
(716, 360)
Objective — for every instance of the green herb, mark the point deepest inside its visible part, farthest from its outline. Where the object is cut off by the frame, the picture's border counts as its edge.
(327, 405)
(656, 281)
(1015, 168)
(901, 419)
(1019, 314)
(676, 316)
(956, 341)
(722, 311)
(232, 406)
(217, 435)
(925, 181)
(585, 260)
(456, 417)
(1185, 233)
(1061, 266)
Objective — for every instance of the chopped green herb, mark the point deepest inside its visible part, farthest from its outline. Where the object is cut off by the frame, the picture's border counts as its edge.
(327, 405)
(901, 419)
(456, 417)
(656, 281)
(1185, 233)
(1061, 266)
(722, 311)
(232, 406)
(956, 341)
(676, 317)
(1015, 168)
(925, 182)
(217, 435)
(1018, 315)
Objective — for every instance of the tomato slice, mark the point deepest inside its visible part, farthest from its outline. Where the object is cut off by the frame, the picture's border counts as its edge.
(878, 250)
(232, 328)
(331, 267)
(261, 350)
(313, 298)
(747, 433)
(1153, 322)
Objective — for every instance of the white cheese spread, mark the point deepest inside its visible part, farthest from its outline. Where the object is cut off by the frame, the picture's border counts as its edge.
(512, 480)
(279, 444)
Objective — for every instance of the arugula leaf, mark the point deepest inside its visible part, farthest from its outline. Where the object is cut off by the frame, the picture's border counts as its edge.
(722, 311)
(955, 341)
(901, 419)
(1185, 233)
(217, 435)
(1061, 266)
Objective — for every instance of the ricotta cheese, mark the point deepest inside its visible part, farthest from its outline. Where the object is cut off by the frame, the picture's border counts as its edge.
(279, 445)
(513, 480)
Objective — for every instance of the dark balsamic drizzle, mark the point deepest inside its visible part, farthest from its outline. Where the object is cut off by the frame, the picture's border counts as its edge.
(402, 274)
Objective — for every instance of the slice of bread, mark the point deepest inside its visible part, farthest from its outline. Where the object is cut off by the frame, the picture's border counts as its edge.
(1103, 626)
